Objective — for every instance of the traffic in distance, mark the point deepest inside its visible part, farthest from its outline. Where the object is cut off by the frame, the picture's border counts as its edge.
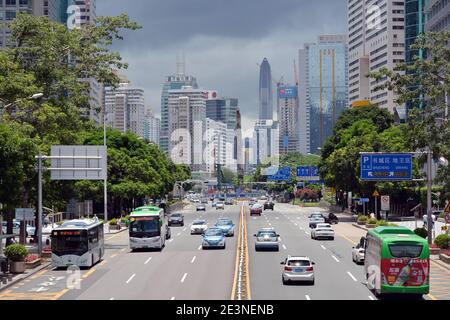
(386, 261)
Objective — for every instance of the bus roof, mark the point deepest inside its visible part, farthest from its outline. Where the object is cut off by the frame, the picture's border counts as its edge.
(395, 233)
(146, 211)
(147, 208)
(80, 224)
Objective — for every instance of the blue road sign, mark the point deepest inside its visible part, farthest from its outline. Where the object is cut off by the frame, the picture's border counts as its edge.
(386, 167)
(307, 171)
(364, 200)
(284, 174)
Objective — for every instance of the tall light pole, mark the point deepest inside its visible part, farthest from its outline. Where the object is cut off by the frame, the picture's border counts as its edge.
(105, 182)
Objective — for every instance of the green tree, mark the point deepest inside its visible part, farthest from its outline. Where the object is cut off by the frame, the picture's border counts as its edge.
(423, 84)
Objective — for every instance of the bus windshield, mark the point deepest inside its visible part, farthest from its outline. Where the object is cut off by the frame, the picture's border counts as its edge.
(145, 227)
(405, 250)
(69, 243)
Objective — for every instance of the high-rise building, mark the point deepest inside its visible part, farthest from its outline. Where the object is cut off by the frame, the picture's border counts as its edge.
(248, 155)
(173, 82)
(265, 141)
(414, 26)
(9, 9)
(265, 91)
(125, 108)
(187, 114)
(287, 101)
(215, 151)
(323, 95)
(151, 127)
(437, 15)
(376, 39)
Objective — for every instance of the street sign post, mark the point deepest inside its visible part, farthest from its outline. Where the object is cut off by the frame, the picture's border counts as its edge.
(283, 174)
(386, 166)
(376, 195)
(385, 203)
(25, 214)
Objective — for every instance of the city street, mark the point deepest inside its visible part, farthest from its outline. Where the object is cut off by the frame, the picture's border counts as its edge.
(183, 271)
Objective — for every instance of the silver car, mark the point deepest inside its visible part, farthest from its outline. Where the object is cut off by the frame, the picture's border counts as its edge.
(267, 238)
(298, 268)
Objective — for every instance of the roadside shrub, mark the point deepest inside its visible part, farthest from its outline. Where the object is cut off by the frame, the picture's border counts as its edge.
(362, 219)
(372, 221)
(113, 222)
(16, 252)
(443, 241)
(382, 223)
(421, 232)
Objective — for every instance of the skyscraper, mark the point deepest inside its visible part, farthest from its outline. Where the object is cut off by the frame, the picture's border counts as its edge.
(173, 82)
(187, 114)
(151, 127)
(265, 140)
(125, 108)
(287, 101)
(437, 15)
(323, 94)
(265, 91)
(376, 39)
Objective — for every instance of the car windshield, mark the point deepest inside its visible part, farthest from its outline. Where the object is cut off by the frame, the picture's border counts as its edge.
(198, 223)
(400, 250)
(298, 263)
(266, 234)
(213, 232)
(224, 222)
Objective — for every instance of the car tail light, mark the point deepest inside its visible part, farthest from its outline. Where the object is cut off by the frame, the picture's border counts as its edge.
(309, 269)
(287, 269)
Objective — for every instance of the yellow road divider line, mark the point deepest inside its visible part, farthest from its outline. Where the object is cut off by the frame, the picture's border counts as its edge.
(236, 269)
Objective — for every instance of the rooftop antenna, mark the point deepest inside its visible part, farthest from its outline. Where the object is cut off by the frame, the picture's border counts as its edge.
(181, 64)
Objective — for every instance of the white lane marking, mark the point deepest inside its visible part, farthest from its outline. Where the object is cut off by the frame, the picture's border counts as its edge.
(254, 218)
(111, 299)
(169, 241)
(371, 298)
(270, 224)
(335, 258)
(193, 259)
(323, 247)
(173, 298)
(178, 234)
(284, 247)
(277, 218)
(148, 260)
(301, 228)
(307, 297)
(199, 247)
(184, 277)
(295, 224)
(184, 229)
(351, 276)
(131, 278)
(306, 232)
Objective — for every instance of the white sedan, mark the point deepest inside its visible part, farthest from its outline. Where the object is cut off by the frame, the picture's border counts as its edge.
(358, 254)
(199, 227)
(322, 231)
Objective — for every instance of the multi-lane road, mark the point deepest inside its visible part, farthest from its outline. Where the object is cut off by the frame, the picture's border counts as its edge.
(183, 271)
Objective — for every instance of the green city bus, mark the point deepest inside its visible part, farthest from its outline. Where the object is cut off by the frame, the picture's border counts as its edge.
(397, 261)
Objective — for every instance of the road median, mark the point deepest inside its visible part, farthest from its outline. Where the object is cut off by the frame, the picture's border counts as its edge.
(241, 281)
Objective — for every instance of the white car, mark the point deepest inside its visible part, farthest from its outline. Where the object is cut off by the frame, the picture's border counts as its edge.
(358, 254)
(199, 227)
(16, 228)
(322, 231)
(298, 268)
(220, 205)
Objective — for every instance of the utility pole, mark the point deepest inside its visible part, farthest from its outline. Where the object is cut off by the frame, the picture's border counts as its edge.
(105, 182)
(39, 230)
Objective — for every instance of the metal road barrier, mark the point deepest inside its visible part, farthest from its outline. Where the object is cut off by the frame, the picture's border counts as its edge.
(241, 283)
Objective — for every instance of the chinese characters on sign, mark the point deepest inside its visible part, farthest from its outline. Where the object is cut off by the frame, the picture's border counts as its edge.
(386, 167)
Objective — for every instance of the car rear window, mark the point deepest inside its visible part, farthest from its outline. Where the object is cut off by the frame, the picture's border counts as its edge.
(405, 250)
(298, 263)
(267, 233)
(198, 223)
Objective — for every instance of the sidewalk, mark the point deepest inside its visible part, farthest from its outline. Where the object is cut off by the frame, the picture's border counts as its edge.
(16, 278)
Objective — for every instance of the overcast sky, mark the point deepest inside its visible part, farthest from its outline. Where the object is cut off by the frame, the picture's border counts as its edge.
(222, 40)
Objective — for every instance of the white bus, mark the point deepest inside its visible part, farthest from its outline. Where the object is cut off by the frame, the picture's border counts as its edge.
(148, 228)
(78, 243)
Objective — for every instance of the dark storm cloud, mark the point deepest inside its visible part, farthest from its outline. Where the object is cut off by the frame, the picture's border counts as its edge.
(222, 40)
